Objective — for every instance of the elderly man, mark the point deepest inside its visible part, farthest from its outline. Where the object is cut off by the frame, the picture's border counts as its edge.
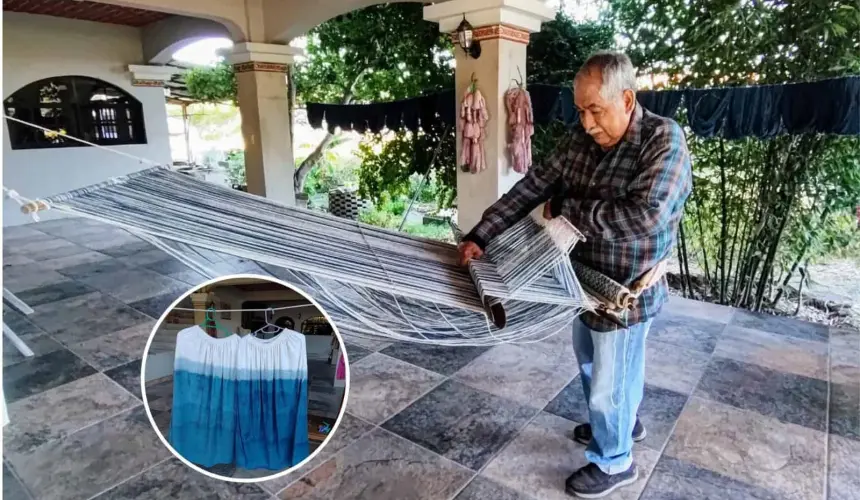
(621, 177)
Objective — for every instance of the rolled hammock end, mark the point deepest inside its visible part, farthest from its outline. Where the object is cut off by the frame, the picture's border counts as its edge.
(34, 206)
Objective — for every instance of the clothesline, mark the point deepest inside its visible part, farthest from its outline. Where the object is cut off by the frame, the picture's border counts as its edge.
(243, 310)
(760, 111)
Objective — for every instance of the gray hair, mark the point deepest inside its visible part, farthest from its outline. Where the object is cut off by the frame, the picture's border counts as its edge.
(616, 69)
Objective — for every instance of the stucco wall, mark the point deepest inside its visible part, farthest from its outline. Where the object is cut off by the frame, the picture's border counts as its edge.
(37, 47)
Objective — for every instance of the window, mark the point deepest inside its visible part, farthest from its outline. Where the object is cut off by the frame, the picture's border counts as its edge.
(81, 107)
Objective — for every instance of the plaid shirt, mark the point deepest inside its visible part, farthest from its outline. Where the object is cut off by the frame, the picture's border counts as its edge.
(627, 201)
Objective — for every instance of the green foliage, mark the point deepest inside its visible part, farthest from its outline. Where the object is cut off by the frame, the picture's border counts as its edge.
(389, 162)
(561, 46)
(332, 172)
(236, 167)
(710, 42)
(213, 84)
(840, 237)
(382, 52)
(760, 208)
(390, 214)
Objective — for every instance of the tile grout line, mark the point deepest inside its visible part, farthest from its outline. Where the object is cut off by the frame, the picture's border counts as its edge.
(519, 431)
(690, 396)
(333, 455)
(17, 477)
(131, 477)
(513, 438)
(70, 434)
(413, 401)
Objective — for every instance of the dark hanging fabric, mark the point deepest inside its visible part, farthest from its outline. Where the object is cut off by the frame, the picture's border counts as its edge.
(545, 102)
(661, 102)
(566, 109)
(411, 114)
(754, 112)
(707, 109)
(316, 112)
(446, 107)
(377, 117)
(828, 106)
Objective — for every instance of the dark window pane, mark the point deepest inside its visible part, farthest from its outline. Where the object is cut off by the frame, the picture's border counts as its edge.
(75, 106)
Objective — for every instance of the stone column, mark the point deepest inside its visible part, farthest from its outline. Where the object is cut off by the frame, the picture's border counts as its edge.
(502, 27)
(262, 88)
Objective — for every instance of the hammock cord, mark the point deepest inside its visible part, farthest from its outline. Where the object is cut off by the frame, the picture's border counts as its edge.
(374, 283)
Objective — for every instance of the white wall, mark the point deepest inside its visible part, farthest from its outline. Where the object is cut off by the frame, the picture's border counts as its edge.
(37, 47)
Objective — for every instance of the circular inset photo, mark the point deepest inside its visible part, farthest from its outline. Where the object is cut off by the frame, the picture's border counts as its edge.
(245, 378)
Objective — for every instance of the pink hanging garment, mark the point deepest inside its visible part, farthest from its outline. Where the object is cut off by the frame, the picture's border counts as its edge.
(520, 128)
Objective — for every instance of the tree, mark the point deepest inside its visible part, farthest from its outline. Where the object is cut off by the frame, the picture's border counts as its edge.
(214, 84)
(554, 55)
(382, 52)
(758, 206)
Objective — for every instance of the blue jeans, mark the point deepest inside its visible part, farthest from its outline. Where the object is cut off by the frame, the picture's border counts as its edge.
(612, 370)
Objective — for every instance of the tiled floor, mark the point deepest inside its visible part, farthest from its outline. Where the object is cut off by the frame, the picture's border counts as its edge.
(737, 405)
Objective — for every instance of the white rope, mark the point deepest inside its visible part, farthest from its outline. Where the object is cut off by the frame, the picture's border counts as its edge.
(67, 136)
(20, 200)
(374, 283)
(244, 310)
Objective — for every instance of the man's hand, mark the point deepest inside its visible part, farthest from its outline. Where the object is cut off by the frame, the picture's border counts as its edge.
(547, 210)
(469, 250)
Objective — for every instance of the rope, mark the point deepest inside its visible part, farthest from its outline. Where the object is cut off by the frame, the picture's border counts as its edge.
(243, 310)
(20, 200)
(373, 282)
(67, 136)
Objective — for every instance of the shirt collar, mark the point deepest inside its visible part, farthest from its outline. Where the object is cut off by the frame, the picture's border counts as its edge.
(634, 129)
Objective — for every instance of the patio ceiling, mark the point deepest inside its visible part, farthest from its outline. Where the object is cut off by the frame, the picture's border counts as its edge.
(86, 11)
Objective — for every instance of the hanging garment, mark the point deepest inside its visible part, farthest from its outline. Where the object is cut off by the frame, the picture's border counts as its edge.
(273, 402)
(520, 128)
(661, 102)
(240, 400)
(203, 422)
(473, 121)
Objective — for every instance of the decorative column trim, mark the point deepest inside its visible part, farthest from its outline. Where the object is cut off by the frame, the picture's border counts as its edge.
(249, 56)
(497, 32)
(259, 66)
(135, 82)
(151, 76)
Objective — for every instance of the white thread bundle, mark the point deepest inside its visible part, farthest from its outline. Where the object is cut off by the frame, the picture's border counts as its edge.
(373, 282)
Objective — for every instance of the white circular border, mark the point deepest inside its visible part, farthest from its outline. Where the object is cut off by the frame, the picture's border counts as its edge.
(237, 479)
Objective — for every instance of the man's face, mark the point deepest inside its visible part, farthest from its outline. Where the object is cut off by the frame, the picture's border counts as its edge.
(604, 120)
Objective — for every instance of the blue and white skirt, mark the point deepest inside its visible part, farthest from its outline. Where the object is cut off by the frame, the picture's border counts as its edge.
(240, 400)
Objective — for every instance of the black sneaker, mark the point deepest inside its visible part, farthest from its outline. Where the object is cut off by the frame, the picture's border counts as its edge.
(582, 432)
(591, 482)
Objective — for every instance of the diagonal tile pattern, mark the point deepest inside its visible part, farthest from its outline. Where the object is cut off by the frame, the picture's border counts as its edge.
(736, 404)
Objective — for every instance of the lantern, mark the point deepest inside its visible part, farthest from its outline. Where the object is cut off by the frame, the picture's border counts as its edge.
(465, 35)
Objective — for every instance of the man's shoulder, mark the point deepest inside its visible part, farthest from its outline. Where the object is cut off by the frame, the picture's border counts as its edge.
(656, 125)
(658, 130)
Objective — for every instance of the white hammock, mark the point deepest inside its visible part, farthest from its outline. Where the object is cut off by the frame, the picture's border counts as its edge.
(373, 282)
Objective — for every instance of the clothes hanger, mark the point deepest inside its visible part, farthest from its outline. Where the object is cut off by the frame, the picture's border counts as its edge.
(519, 82)
(268, 323)
(210, 321)
(473, 83)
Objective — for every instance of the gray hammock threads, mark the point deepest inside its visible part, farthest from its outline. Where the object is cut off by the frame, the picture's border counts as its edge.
(373, 282)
